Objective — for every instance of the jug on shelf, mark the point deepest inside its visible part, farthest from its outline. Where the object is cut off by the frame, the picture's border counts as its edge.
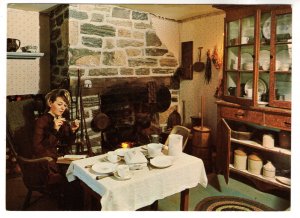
(13, 44)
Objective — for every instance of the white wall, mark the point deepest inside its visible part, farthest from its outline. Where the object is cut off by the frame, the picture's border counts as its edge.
(206, 32)
(28, 76)
(168, 33)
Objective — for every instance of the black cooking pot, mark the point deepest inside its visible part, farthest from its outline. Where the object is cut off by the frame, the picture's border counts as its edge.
(163, 99)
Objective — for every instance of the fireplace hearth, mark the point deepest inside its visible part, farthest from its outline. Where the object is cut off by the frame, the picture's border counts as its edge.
(133, 112)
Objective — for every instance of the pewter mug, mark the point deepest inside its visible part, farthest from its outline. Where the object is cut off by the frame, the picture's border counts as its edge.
(13, 44)
(155, 138)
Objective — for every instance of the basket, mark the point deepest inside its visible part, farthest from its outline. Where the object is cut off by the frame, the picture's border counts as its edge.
(241, 135)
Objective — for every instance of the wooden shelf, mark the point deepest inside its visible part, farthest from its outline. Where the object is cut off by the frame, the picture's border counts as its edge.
(23, 55)
(271, 181)
(254, 144)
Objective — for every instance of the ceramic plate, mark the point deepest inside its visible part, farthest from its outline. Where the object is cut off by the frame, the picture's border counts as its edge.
(264, 56)
(284, 25)
(262, 87)
(121, 178)
(121, 151)
(267, 28)
(283, 180)
(161, 161)
(104, 167)
(246, 58)
(158, 154)
(283, 56)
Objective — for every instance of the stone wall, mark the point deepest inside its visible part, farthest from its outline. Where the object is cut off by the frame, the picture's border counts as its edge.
(103, 42)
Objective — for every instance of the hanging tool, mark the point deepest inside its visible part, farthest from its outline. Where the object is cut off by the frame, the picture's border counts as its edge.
(208, 68)
(199, 66)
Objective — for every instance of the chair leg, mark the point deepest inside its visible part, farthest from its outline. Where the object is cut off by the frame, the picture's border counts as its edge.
(27, 200)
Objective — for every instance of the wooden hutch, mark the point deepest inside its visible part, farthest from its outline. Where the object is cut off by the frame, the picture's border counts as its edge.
(257, 78)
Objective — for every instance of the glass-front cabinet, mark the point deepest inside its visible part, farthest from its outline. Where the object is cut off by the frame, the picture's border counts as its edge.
(258, 57)
(256, 101)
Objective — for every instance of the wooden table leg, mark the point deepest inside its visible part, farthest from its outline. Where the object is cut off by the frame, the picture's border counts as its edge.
(89, 196)
(184, 200)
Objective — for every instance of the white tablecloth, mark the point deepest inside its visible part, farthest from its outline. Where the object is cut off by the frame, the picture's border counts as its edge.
(145, 186)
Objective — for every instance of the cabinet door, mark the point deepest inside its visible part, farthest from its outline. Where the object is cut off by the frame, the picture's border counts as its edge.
(281, 61)
(224, 134)
(239, 60)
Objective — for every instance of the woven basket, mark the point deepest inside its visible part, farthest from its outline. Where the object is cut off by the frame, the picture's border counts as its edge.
(241, 135)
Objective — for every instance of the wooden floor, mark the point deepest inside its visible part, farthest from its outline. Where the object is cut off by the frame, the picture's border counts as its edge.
(16, 191)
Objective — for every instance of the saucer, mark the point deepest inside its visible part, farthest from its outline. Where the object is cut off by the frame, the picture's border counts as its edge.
(104, 167)
(121, 178)
(283, 180)
(162, 161)
(118, 159)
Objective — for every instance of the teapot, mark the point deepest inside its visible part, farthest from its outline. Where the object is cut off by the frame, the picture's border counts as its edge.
(13, 44)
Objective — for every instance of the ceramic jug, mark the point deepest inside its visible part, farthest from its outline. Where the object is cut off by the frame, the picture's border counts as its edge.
(175, 144)
(13, 44)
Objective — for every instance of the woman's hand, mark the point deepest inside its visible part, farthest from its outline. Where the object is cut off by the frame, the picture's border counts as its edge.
(58, 122)
(75, 125)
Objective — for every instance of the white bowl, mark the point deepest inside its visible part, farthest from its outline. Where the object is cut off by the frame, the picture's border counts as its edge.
(285, 67)
(248, 66)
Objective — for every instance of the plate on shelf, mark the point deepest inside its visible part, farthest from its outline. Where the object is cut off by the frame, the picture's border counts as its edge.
(264, 57)
(283, 56)
(267, 28)
(162, 161)
(262, 87)
(284, 26)
(283, 180)
(246, 58)
(104, 167)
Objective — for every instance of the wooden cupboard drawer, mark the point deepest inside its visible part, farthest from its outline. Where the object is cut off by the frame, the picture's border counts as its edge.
(278, 121)
(242, 115)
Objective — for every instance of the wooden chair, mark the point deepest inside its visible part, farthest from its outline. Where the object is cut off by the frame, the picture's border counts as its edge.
(19, 133)
(181, 130)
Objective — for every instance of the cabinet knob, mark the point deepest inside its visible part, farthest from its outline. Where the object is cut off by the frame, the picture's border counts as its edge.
(240, 113)
(287, 124)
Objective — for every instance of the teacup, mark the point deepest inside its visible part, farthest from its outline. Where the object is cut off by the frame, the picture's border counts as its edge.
(123, 171)
(154, 149)
(112, 157)
(245, 40)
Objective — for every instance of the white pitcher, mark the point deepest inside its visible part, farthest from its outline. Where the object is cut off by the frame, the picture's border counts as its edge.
(175, 144)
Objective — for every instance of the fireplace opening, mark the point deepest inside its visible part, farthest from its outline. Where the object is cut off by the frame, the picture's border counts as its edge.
(133, 112)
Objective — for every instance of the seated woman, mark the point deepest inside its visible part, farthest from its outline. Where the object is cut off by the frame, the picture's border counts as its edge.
(52, 129)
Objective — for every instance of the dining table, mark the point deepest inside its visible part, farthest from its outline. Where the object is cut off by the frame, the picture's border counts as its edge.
(145, 186)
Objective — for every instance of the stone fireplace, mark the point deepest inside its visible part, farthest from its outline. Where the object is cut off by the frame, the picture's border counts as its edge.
(119, 57)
